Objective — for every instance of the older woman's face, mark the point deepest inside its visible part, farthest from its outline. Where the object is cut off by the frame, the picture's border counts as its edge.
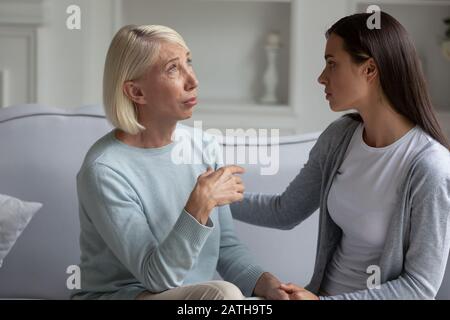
(169, 88)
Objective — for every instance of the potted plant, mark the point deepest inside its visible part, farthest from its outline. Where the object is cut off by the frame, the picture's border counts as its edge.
(446, 42)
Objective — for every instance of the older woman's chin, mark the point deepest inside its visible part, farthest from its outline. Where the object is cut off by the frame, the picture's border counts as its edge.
(186, 115)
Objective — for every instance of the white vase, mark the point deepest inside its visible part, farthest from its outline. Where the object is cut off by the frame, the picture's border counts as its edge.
(270, 79)
(446, 49)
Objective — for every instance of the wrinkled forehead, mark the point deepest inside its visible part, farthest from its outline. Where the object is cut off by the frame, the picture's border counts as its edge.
(171, 50)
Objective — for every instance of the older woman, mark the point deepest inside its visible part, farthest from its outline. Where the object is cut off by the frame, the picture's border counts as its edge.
(152, 227)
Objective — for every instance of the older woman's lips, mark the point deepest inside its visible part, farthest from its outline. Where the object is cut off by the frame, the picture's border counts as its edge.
(191, 102)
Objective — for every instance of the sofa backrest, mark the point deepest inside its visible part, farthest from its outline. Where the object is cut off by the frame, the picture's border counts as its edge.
(42, 150)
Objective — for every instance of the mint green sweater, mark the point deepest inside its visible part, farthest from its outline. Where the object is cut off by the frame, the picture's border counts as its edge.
(135, 233)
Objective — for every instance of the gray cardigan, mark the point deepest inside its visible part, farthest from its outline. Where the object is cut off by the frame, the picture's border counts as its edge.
(417, 244)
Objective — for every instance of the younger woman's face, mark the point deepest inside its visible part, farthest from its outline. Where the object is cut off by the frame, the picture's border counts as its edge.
(346, 85)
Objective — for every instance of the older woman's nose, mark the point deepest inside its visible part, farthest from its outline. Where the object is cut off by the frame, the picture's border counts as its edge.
(191, 82)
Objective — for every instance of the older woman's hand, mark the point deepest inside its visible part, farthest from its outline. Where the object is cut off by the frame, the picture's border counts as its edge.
(298, 293)
(268, 287)
(215, 188)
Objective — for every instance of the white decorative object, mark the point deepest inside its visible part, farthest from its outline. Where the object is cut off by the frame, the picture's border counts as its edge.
(270, 78)
(446, 49)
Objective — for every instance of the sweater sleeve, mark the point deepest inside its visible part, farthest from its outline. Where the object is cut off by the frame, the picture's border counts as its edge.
(429, 242)
(235, 264)
(115, 210)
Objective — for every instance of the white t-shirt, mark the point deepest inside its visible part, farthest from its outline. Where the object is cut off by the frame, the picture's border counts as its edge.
(361, 201)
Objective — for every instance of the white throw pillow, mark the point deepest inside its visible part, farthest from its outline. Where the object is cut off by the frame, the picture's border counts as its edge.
(15, 215)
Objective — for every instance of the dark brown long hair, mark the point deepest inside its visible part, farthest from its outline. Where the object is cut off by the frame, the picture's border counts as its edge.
(399, 68)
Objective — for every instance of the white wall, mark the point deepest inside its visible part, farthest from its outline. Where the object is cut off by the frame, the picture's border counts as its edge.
(426, 27)
(308, 98)
(309, 20)
(70, 62)
(16, 65)
(226, 39)
(18, 23)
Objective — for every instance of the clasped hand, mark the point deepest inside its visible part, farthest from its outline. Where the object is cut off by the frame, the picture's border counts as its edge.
(270, 288)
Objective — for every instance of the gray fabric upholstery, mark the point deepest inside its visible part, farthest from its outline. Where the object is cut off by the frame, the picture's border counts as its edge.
(42, 149)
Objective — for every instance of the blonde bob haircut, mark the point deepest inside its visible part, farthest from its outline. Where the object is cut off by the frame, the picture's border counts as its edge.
(132, 51)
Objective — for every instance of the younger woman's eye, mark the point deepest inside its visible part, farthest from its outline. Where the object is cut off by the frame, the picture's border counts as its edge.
(331, 63)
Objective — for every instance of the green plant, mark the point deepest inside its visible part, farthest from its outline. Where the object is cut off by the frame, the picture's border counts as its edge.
(447, 22)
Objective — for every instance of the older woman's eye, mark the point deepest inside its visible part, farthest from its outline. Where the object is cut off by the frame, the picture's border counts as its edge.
(189, 61)
(172, 68)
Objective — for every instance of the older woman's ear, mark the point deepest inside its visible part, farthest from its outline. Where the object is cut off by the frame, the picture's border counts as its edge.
(133, 92)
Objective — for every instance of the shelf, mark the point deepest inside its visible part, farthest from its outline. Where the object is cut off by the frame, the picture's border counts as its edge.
(244, 108)
(274, 1)
(223, 115)
(402, 2)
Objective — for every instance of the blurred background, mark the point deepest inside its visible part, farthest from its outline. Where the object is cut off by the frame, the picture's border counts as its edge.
(243, 50)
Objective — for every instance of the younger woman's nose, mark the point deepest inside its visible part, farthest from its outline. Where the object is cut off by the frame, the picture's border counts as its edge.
(321, 78)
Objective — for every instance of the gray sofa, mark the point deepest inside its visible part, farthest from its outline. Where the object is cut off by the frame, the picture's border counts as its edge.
(42, 149)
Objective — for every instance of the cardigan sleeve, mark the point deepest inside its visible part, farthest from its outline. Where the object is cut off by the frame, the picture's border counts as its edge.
(302, 196)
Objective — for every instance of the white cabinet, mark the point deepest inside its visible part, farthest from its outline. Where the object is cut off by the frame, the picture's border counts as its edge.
(19, 22)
